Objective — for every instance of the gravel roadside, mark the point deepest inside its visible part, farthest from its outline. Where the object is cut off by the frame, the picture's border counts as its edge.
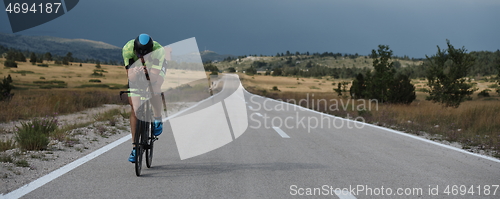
(18, 167)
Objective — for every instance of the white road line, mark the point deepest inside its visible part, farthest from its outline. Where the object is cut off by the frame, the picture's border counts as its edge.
(61, 171)
(344, 195)
(281, 132)
(251, 108)
(258, 114)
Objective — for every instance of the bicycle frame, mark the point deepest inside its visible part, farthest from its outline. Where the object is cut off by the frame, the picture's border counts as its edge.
(144, 138)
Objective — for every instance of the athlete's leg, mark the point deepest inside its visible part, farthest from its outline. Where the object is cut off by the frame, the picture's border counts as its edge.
(134, 102)
(156, 100)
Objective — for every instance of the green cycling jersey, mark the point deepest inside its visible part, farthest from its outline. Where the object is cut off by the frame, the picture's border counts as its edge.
(158, 53)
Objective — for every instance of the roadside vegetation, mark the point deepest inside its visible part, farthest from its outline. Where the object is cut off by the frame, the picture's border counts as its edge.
(36, 92)
(452, 95)
(448, 101)
(39, 103)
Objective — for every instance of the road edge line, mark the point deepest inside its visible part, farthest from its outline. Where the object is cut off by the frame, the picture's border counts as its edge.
(390, 130)
(27, 188)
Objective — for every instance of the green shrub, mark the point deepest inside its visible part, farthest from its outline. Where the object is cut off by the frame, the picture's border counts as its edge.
(22, 163)
(10, 64)
(33, 135)
(43, 65)
(100, 70)
(22, 71)
(49, 82)
(493, 86)
(364, 112)
(484, 93)
(29, 139)
(97, 74)
(93, 86)
(275, 88)
(424, 90)
(6, 145)
(6, 158)
(49, 86)
(94, 80)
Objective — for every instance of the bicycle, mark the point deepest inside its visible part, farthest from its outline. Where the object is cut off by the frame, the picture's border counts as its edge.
(144, 137)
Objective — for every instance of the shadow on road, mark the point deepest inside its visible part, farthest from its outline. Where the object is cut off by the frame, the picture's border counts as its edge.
(211, 168)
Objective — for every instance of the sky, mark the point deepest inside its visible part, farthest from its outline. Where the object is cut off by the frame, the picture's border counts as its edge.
(410, 27)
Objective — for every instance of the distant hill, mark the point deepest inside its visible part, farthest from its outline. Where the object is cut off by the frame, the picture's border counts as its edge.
(213, 56)
(80, 48)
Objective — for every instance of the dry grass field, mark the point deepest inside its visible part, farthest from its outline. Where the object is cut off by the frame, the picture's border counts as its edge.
(290, 84)
(74, 75)
(41, 91)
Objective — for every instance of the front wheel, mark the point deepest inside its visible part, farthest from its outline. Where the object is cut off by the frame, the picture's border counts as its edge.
(149, 150)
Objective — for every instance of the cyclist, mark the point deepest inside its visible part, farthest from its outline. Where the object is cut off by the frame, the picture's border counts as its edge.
(151, 53)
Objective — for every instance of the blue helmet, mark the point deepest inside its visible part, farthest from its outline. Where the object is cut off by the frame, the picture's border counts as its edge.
(143, 45)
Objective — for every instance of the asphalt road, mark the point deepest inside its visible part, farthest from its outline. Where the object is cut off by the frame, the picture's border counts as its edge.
(300, 161)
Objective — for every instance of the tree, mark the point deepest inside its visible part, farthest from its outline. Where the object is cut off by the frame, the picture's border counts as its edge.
(33, 58)
(344, 86)
(447, 74)
(15, 56)
(10, 64)
(358, 87)
(11, 55)
(212, 68)
(68, 58)
(384, 84)
(48, 56)
(251, 71)
(20, 57)
(98, 65)
(378, 84)
(5, 88)
(277, 72)
(231, 69)
(339, 89)
(69, 55)
(397, 64)
(309, 64)
(402, 91)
